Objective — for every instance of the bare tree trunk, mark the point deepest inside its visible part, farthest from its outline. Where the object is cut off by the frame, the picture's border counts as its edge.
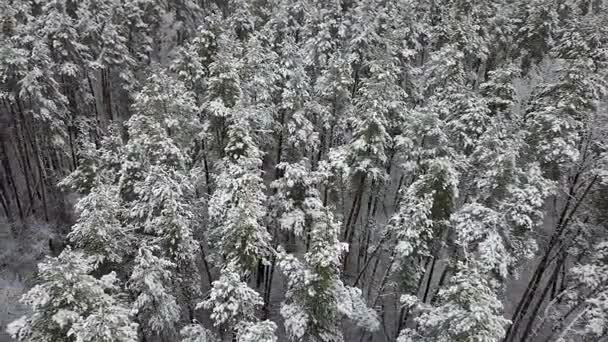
(552, 281)
(268, 288)
(351, 233)
(371, 257)
(365, 236)
(22, 155)
(107, 93)
(356, 200)
(39, 165)
(206, 167)
(9, 177)
(404, 313)
(528, 296)
(429, 279)
(28, 147)
(270, 273)
(6, 204)
(206, 265)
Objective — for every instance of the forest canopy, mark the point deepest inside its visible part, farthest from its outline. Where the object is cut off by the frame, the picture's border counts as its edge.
(308, 170)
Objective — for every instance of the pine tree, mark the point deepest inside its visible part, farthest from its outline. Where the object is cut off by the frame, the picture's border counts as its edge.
(468, 311)
(237, 206)
(70, 304)
(155, 305)
(196, 333)
(581, 307)
(316, 297)
(99, 231)
(234, 305)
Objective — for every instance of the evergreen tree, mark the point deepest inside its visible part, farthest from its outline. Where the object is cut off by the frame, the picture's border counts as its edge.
(237, 206)
(316, 297)
(70, 304)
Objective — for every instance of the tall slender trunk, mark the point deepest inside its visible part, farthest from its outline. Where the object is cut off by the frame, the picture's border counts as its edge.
(206, 167)
(429, 280)
(9, 177)
(404, 313)
(368, 241)
(353, 208)
(268, 288)
(528, 296)
(552, 280)
(442, 279)
(107, 93)
(92, 90)
(371, 257)
(373, 275)
(385, 278)
(28, 132)
(524, 301)
(206, 265)
(22, 154)
(42, 177)
(365, 236)
(71, 125)
(6, 204)
(350, 233)
(71, 142)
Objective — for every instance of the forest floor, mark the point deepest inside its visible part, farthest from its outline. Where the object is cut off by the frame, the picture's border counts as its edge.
(21, 249)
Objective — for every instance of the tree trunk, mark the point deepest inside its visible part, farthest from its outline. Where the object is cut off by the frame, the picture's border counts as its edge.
(107, 93)
(552, 281)
(429, 279)
(366, 234)
(28, 147)
(528, 296)
(41, 171)
(9, 178)
(351, 232)
(22, 155)
(6, 204)
(206, 265)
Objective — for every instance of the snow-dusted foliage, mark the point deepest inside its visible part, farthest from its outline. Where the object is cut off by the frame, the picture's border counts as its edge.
(70, 304)
(316, 298)
(234, 304)
(306, 170)
(467, 310)
(237, 207)
(231, 300)
(196, 333)
(152, 280)
(585, 300)
(99, 230)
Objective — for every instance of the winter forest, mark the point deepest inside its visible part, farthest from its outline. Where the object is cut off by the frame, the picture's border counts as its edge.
(304, 170)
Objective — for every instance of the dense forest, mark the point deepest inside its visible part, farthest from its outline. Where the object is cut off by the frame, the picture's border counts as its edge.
(304, 170)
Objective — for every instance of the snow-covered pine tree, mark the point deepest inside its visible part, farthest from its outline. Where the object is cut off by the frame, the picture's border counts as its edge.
(316, 298)
(158, 191)
(580, 309)
(237, 206)
(223, 88)
(152, 283)
(234, 307)
(99, 231)
(468, 310)
(238, 232)
(70, 304)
